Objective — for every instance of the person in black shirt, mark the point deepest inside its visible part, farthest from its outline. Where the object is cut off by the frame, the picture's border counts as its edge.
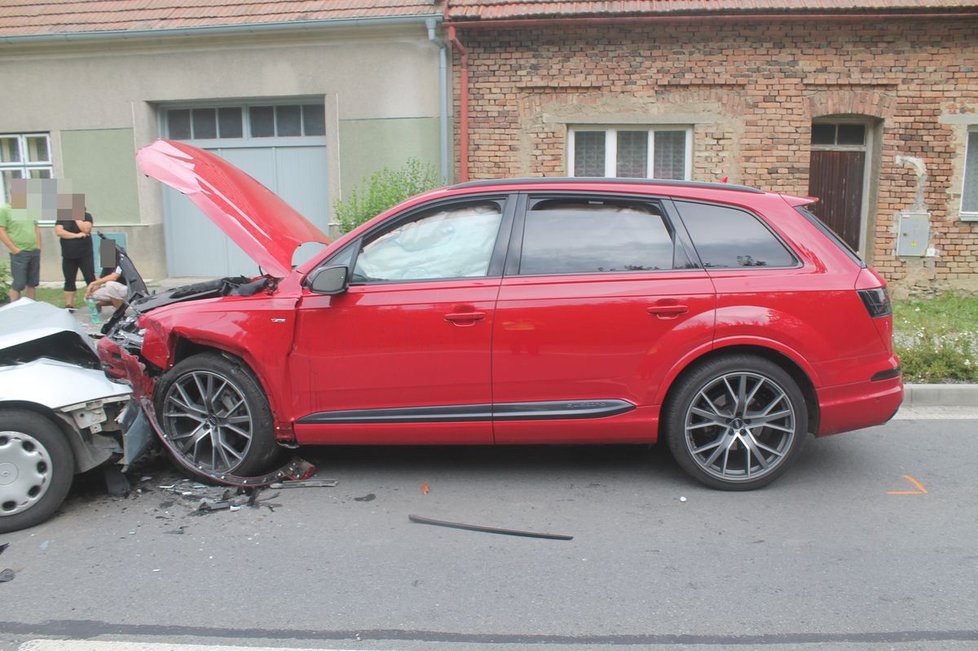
(74, 229)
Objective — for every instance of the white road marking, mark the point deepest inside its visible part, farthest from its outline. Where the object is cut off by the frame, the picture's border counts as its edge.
(89, 645)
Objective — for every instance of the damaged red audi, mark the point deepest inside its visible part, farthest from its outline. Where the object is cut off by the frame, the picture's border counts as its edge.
(726, 321)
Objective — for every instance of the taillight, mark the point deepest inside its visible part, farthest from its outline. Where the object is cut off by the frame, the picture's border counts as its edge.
(877, 301)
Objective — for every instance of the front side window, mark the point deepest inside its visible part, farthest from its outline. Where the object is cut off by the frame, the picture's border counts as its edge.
(595, 236)
(969, 194)
(729, 238)
(661, 153)
(447, 242)
(24, 156)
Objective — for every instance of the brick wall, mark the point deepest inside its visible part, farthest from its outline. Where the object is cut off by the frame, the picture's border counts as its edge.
(750, 91)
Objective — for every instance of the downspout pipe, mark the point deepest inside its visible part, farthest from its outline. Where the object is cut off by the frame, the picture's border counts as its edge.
(443, 103)
(463, 118)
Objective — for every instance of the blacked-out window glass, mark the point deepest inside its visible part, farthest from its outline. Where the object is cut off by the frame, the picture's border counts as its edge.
(313, 120)
(288, 120)
(851, 134)
(823, 134)
(178, 124)
(262, 121)
(229, 122)
(578, 236)
(205, 123)
(727, 237)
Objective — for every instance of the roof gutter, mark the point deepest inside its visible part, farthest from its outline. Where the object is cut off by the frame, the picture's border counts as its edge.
(507, 23)
(214, 30)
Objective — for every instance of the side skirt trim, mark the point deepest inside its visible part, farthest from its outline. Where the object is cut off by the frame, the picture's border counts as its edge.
(548, 410)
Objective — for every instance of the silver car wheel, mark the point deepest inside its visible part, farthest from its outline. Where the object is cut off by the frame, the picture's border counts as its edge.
(208, 419)
(740, 426)
(25, 472)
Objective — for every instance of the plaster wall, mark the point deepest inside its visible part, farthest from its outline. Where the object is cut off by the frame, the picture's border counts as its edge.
(76, 89)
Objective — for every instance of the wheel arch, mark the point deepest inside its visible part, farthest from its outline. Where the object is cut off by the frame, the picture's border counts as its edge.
(785, 362)
(85, 456)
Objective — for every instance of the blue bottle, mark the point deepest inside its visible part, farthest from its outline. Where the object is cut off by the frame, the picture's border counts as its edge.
(93, 312)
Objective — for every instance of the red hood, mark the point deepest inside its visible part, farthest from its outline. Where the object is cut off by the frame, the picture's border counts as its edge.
(258, 220)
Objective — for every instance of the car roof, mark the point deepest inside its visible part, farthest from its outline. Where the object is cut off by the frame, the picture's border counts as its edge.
(590, 181)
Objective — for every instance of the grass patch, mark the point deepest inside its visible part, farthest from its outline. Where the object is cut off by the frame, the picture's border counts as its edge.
(937, 339)
(56, 296)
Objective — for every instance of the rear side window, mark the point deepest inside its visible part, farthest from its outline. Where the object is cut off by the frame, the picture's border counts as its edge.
(729, 238)
(829, 233)
(570, 236)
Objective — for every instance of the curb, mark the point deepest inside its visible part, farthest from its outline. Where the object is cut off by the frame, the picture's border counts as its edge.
(940, 395)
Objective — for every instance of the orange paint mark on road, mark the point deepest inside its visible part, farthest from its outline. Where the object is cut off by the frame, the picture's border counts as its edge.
(920, 489)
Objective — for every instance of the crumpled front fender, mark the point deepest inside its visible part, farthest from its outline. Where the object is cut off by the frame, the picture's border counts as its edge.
(123, 365)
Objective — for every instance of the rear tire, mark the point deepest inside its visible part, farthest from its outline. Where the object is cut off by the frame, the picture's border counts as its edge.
(36, 469)
(737, 422)
(215, 413)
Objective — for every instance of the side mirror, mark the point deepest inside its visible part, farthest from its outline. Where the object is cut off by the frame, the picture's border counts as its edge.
(330, 280)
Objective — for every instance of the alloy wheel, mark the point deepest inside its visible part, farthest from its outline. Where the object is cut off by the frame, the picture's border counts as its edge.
(740, 426)
(209, 421)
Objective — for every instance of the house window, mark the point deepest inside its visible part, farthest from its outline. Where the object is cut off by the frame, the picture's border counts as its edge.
(969, 194)
(233, 122)
(661, 153)
(24, 156)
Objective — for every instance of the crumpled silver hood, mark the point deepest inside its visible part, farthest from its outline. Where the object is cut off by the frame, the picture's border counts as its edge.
(26, 320)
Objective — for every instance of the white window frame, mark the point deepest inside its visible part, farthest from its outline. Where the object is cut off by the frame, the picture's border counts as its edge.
(967, 215)
(24, 166)
(611, 147)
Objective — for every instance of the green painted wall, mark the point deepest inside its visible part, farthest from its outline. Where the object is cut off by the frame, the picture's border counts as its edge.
(367, 146)
(101, 164)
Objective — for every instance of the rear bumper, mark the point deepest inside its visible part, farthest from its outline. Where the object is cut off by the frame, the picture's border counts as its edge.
(854, 406)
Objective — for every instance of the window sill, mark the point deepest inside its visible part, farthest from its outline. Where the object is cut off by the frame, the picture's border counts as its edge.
(968, 216)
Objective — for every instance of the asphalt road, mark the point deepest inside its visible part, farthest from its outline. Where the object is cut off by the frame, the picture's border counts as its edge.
(869, 542)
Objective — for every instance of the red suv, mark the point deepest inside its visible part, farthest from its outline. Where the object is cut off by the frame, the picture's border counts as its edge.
(728, 321)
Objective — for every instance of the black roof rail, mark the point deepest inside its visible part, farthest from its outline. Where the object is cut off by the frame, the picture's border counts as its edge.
(604, 179)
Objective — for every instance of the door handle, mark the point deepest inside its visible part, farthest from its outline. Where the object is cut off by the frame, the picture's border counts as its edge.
(465, 318)
(668, 311)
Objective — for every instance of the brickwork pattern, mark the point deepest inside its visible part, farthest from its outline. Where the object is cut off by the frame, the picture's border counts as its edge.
(751, 92)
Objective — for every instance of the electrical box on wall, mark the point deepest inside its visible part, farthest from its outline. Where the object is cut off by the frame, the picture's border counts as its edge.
(914, 233)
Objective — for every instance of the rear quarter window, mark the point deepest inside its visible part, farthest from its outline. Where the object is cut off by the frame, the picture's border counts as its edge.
(730, 238)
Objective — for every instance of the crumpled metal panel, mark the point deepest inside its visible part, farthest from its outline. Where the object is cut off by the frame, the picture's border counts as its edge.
(26, 320)
(57, 385)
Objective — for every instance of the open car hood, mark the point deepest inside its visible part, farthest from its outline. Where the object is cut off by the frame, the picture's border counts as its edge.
(255, 218)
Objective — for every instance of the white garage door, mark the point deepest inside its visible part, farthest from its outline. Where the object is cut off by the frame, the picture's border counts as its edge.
(283, 146)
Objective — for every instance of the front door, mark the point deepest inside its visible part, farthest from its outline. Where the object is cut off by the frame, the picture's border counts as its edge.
(403, 355)
(837, 175)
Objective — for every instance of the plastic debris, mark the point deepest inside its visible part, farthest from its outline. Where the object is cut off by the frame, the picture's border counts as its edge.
(478, 527)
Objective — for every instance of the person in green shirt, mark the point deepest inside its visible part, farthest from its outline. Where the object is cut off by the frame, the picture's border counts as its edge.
(20, 233)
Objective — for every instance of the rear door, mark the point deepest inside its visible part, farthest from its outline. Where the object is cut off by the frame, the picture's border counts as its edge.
(599, 301)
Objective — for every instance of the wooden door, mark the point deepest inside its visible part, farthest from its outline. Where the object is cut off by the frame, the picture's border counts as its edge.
(836, 178)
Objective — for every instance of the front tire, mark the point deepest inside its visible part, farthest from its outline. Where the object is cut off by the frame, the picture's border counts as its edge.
(737, 422)
(36, 469)
(215, 413)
